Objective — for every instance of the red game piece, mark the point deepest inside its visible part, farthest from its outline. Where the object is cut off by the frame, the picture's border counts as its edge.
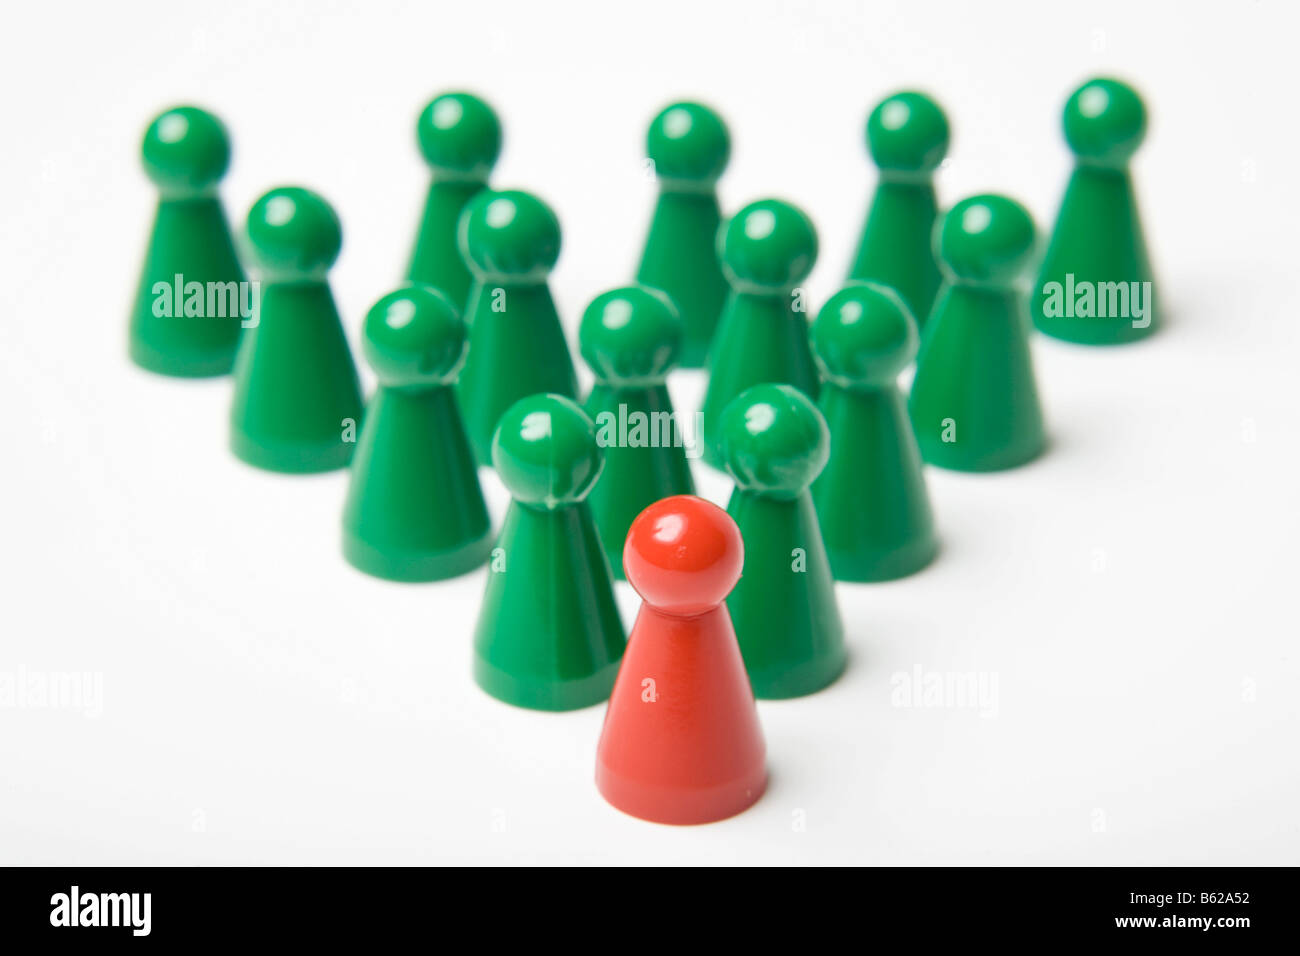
(681, 741)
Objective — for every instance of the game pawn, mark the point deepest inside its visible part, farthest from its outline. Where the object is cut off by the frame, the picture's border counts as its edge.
(907, 136)
(193, 293)
(414, 510)
(631, 338)
(1095, 286)
(775, 443)
(681, 742)
(297, 400)
(974, 403)
(511, 241)
(767, 249)
(689, 146)
(460, 139)
(549, 636)
(871, 498)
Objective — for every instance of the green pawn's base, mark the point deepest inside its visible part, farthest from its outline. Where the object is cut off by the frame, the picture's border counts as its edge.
(799, 680)
(293, 459)
(414, 568)
(951, 457)
(1094, 331)
(550, 695)
(886, 566)
(175, 366)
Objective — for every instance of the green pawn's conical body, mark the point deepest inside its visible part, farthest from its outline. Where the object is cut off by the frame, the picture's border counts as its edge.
(784, 609)
(516, 344)
(1095, 286)
(415, 511)
(186, 152)
(549, 635)
(974, 402)
(460, 138)
(689, 146)
(871, 498)
(767, 250)
(297, 401)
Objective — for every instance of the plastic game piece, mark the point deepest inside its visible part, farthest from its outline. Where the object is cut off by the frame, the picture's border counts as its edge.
(631, 337)
(511, 241)
(460, 139)
(186, 320)
(775, 443)
(681, 741)
(767, 249)
(974, 403)
(297, 400)
(689, 147)
(415, 511)
(1095, 286)
(549, 636)
(907, 135)
(871, 497)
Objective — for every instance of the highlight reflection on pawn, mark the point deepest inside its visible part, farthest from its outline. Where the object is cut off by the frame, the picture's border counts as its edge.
(681, 741)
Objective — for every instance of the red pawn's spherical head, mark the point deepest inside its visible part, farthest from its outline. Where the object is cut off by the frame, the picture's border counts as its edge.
(683, 555)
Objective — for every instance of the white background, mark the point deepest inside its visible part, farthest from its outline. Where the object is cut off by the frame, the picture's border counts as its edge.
(1133, 593)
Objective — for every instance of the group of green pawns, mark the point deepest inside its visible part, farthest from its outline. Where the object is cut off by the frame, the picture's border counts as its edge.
(805, 414)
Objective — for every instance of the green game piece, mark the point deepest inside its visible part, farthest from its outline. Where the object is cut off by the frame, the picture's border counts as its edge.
(511, 241)
(689, 147)
(415, 511)
(460, 139)
(767, 249)
(974, 403)
(193, 291)
(907, 135)
(631, 337)
(871, 498)
(549, 636)
(297, 401)
(775, 443)
(1096, 286)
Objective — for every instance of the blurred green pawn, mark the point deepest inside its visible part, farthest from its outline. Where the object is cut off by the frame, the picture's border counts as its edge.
(774, 444)
(549, 636)
(460, 140)
(689, 146)
(631, 338)
(907, 135)
(511, 241)
(767, 249)
(871, 498)
(1095, 286)
(974, 403)
(297, 401)
(414, 510)
(193, 292)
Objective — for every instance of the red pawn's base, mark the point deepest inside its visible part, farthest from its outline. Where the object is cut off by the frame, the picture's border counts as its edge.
(671, 805)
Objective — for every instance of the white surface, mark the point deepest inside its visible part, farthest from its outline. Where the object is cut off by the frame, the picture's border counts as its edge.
(1133, 593)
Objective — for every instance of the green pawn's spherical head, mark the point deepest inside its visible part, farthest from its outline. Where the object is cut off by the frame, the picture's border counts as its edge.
(509, 237)
(864, 336)
(1105, 122)
(985, 240)
(631, 336)
(459, 136)
(545, 451)
(774, 440)
(294, 233)
(689, 145)
(908, 133)
(414, 337)
(769, 246)
(186, 150)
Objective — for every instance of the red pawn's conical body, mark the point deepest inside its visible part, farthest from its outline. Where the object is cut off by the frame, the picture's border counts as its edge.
(681, 742)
